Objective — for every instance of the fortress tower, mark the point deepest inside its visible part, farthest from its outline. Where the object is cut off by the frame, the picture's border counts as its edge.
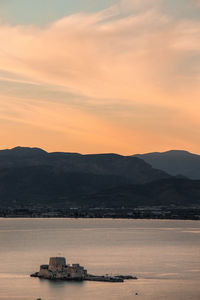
(57, 264)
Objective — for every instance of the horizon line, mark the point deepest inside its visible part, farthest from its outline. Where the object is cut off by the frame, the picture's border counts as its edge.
(99, 153)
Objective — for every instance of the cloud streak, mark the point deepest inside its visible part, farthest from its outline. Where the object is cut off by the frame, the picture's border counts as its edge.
(131, 53)
(87, 55)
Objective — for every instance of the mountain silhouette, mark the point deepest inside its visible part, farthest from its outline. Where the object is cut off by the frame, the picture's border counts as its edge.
(174, 162)
(32, 177)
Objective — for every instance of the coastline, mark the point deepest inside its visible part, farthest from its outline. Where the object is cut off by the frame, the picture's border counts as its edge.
(144, 213)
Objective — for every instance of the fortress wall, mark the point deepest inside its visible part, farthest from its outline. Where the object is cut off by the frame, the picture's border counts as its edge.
(44, 273)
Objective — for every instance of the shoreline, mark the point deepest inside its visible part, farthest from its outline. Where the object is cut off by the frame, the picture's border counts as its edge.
(135, 213)
(97, 218)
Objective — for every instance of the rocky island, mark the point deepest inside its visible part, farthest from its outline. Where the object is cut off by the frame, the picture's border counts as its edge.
(58, 269)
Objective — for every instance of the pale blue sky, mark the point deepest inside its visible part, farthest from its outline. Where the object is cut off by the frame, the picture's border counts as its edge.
(182, 8)
(45, 11)
(41, 12)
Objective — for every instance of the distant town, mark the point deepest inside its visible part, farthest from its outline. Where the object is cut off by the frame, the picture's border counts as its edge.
(161, 212)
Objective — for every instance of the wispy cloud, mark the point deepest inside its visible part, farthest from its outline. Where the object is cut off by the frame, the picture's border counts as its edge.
(57, 126)
(129, 55)
(105, 59)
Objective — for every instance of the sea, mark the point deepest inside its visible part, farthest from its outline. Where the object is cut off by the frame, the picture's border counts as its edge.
(163, 254)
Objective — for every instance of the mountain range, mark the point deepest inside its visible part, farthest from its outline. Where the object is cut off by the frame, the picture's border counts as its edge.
(33, 177)
(174, 162)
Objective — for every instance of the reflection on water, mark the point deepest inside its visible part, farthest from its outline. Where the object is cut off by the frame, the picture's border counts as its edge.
(164, 255)
(60, 284)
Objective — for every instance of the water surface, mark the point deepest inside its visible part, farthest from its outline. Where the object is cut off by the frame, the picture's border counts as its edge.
(164, 255)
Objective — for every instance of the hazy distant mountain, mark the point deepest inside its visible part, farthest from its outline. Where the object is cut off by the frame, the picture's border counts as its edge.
(42, 186)
(133, 169)
(31, 176)
(165, 192)
(46, 185)
(174, 162)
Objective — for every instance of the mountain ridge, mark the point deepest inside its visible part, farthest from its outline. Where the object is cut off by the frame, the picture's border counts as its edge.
(133, 168)
(174, 162)
(32, 177)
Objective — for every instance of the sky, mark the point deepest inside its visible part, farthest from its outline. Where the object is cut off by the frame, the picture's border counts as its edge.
(91, 76)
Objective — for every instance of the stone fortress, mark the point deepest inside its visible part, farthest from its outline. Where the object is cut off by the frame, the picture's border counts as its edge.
(58, 269)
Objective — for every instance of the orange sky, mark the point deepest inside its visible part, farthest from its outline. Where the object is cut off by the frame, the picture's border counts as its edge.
(125, 79)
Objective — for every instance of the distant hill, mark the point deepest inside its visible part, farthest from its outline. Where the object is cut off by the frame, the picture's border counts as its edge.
(174, 162)
(30, 176)
(33, 177)
(165, 192)
(45, 185)
(133, 169)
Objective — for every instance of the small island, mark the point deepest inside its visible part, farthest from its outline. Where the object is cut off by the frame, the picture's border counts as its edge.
(57, 269)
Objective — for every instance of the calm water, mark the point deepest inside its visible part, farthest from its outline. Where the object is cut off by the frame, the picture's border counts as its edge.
(165, 255)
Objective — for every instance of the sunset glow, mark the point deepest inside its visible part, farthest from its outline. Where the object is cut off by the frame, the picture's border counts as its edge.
(123, 77)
